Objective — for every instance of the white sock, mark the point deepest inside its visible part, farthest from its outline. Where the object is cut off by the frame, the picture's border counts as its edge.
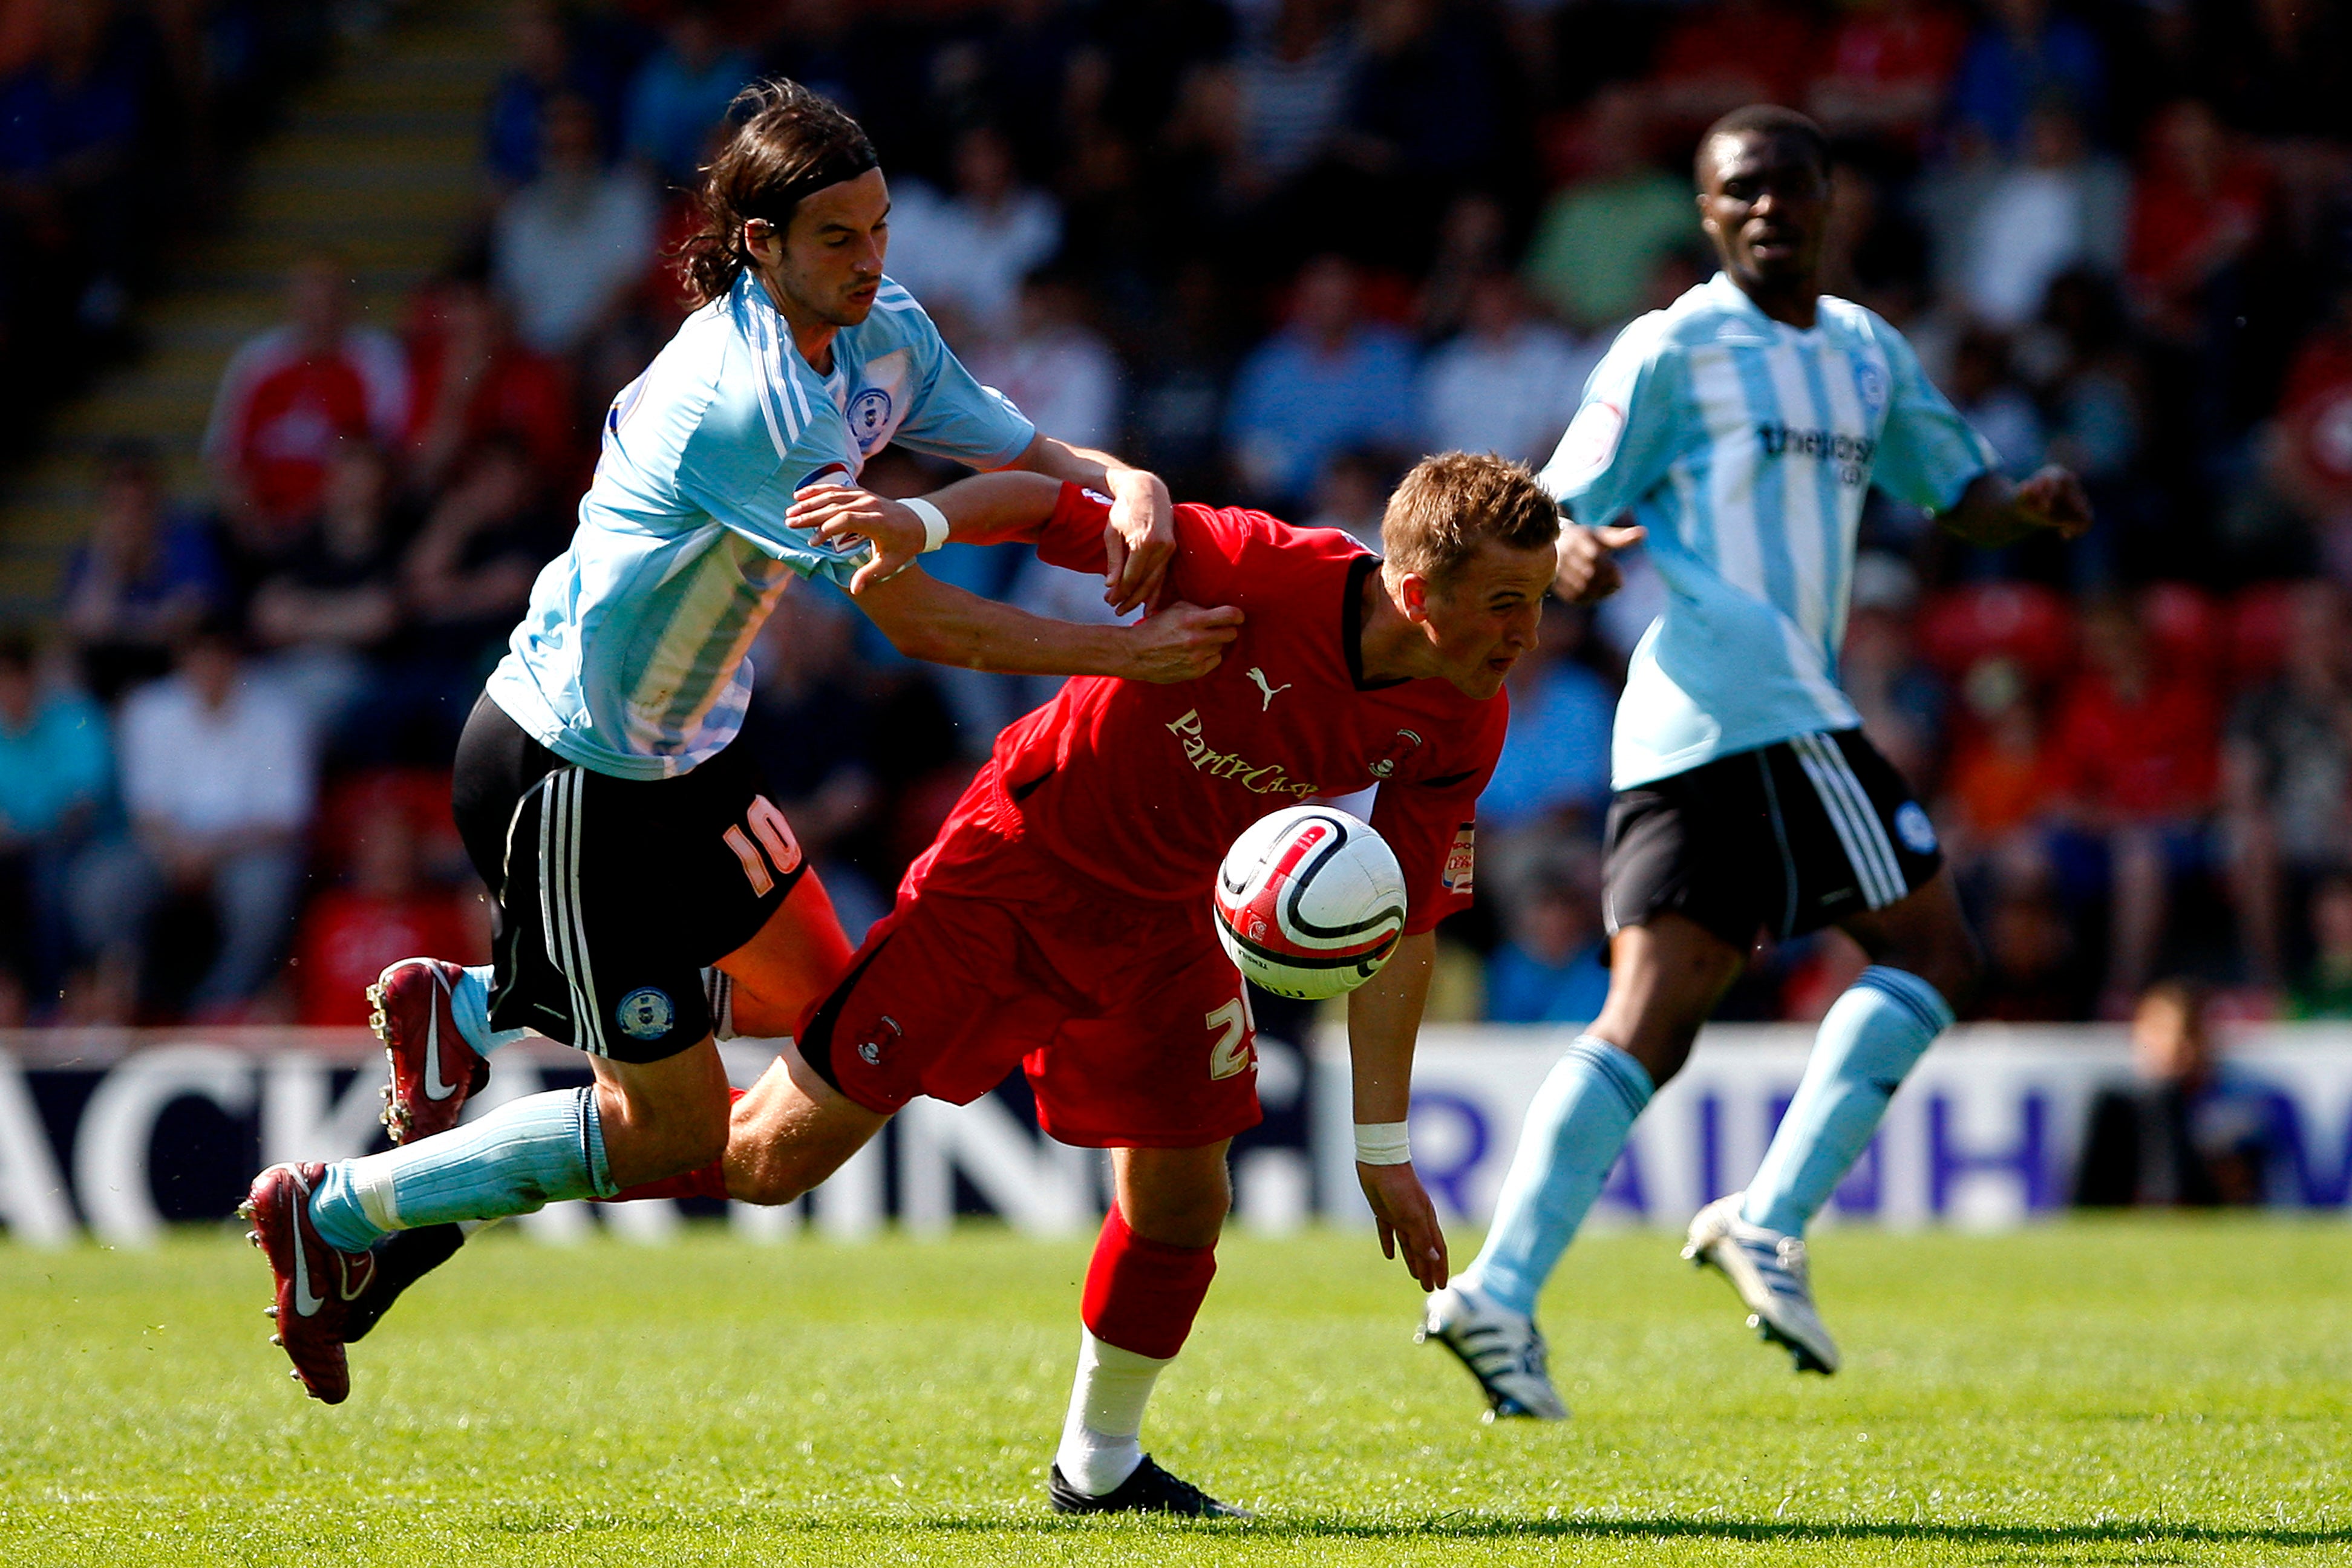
(1102, 1440)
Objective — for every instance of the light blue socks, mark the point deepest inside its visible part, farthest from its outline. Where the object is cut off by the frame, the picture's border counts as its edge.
(517, 1159)
(1575, 1128)
(1868, 1042)
(1579, 1122)
(469, 1003)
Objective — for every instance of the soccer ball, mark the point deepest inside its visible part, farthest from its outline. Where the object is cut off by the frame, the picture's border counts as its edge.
(1309, 902)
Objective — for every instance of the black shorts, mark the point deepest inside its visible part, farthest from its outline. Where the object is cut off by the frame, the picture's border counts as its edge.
(1787, 838)
(613, 894)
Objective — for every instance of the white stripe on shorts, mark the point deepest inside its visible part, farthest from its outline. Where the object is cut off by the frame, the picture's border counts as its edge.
(584, 987)
(1859, 833)
(558, 900)
(1824, 767)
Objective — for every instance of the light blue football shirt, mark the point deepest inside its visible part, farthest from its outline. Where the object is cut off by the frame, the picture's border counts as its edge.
(895, 381)
(633, 657)
(1747, 447)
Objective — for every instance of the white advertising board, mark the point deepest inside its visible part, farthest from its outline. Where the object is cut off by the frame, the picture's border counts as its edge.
(1986, 1132)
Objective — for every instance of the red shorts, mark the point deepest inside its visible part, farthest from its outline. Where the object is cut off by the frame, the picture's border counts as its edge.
(1127, 1015)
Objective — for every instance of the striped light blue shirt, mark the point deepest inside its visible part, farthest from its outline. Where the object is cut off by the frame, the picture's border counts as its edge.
(894, 381)
(1746, 447)
(633, 657)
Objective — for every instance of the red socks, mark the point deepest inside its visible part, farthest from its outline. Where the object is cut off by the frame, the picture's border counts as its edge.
(1142, 1295)
(711, 1182)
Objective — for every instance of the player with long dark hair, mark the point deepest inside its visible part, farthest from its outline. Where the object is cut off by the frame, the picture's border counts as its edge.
(1061, 922)
(627, 847)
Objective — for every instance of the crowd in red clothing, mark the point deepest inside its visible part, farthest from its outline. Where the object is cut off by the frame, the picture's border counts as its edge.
(2111, 775)
(1275, 249)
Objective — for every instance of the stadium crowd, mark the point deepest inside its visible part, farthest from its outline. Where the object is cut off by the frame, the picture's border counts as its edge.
(1275, 249)
(120, 121)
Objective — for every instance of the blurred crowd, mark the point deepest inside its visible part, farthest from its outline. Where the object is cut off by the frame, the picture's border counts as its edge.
(1275, 249)
(120, 125)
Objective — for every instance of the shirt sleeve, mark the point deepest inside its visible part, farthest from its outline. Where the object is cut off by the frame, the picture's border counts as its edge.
(1928, 453)
(1623, 438)
(1073, 536)
(950, 413)
(748, 457)
(1210, 545)
(1433, 827)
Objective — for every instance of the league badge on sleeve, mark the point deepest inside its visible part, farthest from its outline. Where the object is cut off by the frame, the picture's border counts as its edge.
(1870, 382)
(1461, 860)
(1591, 442)
(834, 473)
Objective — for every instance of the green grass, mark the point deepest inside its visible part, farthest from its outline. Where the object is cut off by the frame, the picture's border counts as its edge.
(2139, 1390)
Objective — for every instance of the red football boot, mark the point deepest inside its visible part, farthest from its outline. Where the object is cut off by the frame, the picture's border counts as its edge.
(433, 1068)
(316, 1283)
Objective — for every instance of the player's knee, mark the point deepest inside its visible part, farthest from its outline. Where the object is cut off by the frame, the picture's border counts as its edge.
(698, 1137)
(782, 1160)
(1663, 1052)
(1948, 959)
(1960, 966)
(1190, 1213)
(1215, 1204)
(767, 1183)
(1197, 1223)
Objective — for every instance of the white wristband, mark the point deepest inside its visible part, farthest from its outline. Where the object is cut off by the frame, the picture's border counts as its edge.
(1382, 1143)
(935, 523)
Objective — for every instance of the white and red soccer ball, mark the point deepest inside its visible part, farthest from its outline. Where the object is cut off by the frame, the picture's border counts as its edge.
(1309, 902)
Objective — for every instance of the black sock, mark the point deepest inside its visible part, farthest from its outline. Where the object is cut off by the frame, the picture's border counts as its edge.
(401, 1260)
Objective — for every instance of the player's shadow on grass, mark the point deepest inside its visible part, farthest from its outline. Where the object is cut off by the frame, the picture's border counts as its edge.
(1469, 1526)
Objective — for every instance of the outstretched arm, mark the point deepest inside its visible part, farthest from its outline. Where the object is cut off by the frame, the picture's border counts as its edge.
(1993, 513)
(987, 509)
(928, 619)
(1139, 541)
(1384, 1021)
(1141, 534)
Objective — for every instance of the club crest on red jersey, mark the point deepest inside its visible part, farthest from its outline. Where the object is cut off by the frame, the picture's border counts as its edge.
(1404, 746)
(870, 1049)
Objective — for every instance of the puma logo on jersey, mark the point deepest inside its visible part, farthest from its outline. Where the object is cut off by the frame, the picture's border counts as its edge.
(1271, 690)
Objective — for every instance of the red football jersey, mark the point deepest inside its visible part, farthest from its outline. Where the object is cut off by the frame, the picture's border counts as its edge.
(1144, 787)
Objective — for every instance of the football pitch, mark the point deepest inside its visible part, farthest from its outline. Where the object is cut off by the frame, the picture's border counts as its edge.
(2128, 1391)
